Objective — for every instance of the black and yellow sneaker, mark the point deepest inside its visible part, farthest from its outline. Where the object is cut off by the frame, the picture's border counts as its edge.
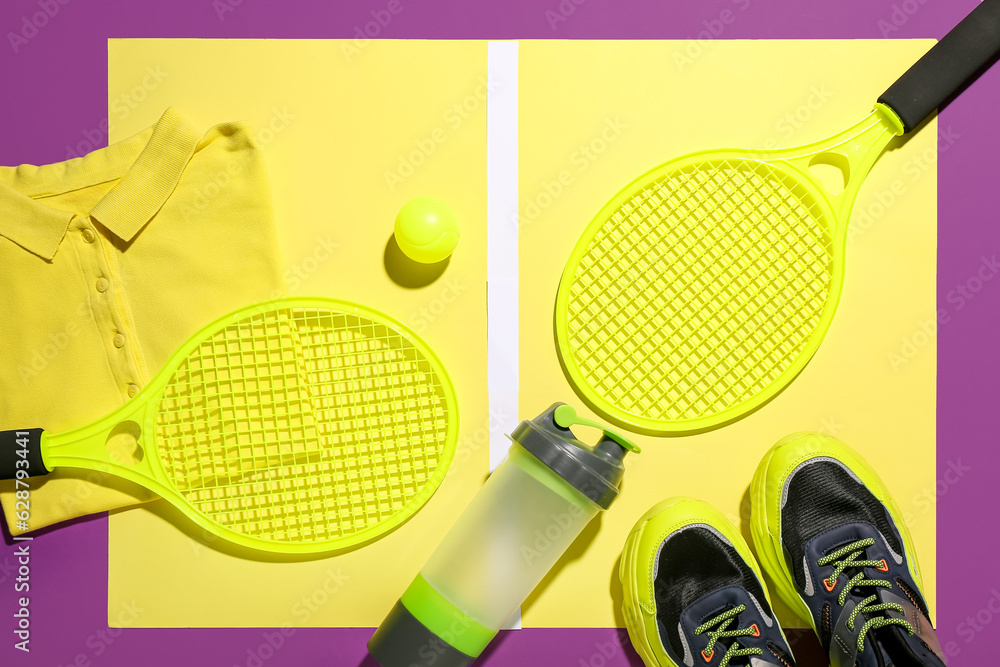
(693, 593)
(835, 544)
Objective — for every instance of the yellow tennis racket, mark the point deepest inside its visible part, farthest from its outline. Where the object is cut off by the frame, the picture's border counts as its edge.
(296, 425)
(705, 286)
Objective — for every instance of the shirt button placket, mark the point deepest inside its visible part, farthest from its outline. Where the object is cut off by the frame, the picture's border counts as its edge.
(122, 365)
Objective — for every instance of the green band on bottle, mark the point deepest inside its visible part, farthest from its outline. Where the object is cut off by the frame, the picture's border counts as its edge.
(444, 619)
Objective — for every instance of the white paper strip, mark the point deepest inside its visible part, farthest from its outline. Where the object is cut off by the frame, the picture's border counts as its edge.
(501, 256)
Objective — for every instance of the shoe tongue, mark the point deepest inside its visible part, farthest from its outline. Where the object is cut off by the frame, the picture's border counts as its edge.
(841, 536)
(852, 532)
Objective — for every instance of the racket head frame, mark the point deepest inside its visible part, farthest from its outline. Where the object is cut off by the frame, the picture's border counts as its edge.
(856, 150)
(86, 447)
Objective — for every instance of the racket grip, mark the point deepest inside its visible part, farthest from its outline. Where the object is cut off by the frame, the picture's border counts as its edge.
(957, 60)
(21, 450)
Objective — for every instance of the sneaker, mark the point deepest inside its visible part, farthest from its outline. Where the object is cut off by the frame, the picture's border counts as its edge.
(834, 542)
(693, 592)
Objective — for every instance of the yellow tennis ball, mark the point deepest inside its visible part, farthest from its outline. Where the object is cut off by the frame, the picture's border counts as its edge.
(426, 230)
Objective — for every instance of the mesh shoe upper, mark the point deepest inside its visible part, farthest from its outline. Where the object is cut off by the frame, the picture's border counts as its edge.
(699, 575)
(836, 534)
(820, 495)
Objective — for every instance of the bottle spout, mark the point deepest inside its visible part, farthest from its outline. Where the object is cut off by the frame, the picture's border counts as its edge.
(612, 443)
(595, 471)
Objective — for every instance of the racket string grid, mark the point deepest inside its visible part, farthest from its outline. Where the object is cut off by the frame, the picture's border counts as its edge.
(700, 290)
(310, 426)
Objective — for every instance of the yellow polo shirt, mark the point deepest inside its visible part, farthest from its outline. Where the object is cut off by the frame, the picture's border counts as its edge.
(110, 261)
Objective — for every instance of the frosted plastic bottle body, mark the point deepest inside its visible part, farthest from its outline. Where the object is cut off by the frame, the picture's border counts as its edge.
(516, 528)
(511, 534)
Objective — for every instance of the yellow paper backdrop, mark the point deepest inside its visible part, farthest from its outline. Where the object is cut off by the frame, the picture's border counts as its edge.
(349, 137)
(593, 116)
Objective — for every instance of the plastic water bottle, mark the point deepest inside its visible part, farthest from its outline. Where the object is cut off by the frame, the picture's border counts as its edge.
(519, 524)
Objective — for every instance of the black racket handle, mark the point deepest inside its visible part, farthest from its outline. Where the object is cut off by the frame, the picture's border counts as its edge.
(957, 60)
(21, 450)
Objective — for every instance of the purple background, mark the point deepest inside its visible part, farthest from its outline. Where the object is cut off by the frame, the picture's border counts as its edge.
(55, 90)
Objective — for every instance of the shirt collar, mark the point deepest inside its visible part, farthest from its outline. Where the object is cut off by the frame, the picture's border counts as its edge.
(33, 226)
(148, 164)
